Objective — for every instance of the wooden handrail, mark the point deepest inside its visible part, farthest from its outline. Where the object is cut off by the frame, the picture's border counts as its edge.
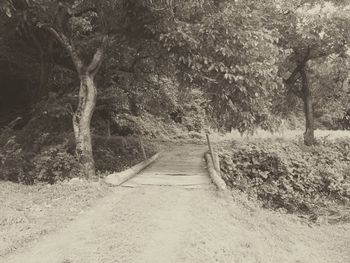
(214, 156)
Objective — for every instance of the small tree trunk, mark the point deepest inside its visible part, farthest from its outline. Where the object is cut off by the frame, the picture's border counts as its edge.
(309, 137)
(132, 97)
(133, 105)
(44, 77)
(45, 70)
(108, 129)
(81, 124)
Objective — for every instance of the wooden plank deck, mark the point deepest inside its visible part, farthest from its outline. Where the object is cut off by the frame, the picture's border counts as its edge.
(175, 168)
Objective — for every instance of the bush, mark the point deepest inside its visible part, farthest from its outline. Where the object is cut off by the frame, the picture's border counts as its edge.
(290, 176)
(37, 154)
(118, 153)
(196, 135)
(345, 122)
(49, 158)
(55, 164)
(14, 163)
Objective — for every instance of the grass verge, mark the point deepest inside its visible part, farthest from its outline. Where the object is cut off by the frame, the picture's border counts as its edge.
(28, 212)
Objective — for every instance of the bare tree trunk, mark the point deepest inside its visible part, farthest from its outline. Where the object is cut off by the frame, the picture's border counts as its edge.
(309, 137)
(81, 124)
(108, 129)
(133, 105)
(45, 64)
(45, 69)
(132, 97)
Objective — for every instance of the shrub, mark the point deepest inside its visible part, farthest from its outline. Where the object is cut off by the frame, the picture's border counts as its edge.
(55, 164)
(14, 163)
(49, 159)
(345, 121)
(290, 176)
(195, 135)
(118, 153)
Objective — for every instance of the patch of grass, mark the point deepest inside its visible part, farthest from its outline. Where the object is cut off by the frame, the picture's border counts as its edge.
(30, 211)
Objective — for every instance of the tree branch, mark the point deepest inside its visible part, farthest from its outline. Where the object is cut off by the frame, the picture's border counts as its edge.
(34, 38)
(298, 70)
(63, 40)
(84, 11)
(292, 77)
(97, 59)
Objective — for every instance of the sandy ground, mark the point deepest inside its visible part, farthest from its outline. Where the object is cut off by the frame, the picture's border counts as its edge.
(169, 224)
(173, 224)
(28, 212)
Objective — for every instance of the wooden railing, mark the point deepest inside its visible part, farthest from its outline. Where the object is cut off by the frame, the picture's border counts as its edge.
(214, 155)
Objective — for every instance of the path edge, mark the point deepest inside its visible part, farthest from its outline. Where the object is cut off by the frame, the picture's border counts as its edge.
(214, 176)
(117, 179)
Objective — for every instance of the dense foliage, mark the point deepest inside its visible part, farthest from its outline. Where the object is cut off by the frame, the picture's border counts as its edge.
(289, 176)
(222, 53)
(109, 68)
(50, 156)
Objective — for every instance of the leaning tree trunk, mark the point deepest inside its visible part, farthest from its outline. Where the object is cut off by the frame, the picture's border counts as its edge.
(309, 137)
(87, 100)
(81, 124)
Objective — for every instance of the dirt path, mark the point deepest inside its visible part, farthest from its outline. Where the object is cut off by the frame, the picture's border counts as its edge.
(150, 223)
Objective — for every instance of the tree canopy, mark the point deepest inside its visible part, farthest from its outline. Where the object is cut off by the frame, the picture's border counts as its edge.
(250, 61)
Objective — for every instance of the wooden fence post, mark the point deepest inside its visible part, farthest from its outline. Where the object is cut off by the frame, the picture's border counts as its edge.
(214, 156)
(142, 149)
(210, 149)
(217, 163)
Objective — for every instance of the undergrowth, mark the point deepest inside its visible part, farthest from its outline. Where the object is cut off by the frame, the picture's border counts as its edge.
(50, 157)
(288, 176)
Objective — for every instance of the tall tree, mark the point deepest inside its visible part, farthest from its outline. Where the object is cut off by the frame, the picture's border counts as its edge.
(79, 27)
(229, 50)
(310, 32)
(84, 29)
